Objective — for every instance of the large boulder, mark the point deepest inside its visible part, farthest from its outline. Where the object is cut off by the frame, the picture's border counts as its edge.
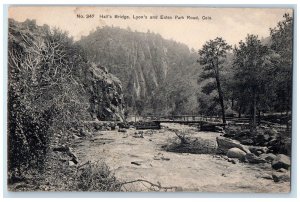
(252, 158)
(281, 161)
(235, 153)
(280, 144)
(224, 144)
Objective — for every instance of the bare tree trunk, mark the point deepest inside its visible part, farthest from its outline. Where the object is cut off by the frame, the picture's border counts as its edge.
(259, 117)
(221, 98)
(287, 109)
(287, 119)
(254, 109)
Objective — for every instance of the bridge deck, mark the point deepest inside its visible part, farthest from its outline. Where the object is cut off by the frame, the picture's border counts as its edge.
(190, 122)
(176, 121)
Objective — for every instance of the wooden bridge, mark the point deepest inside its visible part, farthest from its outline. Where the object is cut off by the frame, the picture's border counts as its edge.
(190, 119)
(203, 122)
(193, 119)
(206, 122)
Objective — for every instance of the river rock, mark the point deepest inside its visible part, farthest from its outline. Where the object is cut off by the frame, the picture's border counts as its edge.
(281, 170)
(122, 130)
(71, 163)
(69, 151)
(281, 161)
(75, 137)
(268, 157)
(252, 158)
(231, 160)
(281, 177)
(83, 133)
(266, 176)
(235, 153)
(247, 141)
(224, 144)
(261, 138)
(231, 131)
(271, 132)
(257, 150)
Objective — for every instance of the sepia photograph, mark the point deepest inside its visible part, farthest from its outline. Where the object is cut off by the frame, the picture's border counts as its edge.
(149, 99)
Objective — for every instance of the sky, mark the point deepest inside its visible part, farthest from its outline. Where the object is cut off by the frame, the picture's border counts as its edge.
(232, 24)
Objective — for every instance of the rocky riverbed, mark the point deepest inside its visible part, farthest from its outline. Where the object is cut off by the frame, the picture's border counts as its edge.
(141, 155)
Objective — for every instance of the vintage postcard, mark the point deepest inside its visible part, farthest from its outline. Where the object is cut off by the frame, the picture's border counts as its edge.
(149, 99)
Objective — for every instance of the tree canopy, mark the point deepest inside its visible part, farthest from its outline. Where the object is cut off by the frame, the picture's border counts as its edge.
(256, 77)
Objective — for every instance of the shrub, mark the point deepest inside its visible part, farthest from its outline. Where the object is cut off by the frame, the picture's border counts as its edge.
(45, 93)
(96, 176)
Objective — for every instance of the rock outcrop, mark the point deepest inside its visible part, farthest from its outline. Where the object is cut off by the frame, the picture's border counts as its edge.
(147, 65)
(106, 101)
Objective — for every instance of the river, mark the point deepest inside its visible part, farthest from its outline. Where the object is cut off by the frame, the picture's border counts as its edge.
(132, 158)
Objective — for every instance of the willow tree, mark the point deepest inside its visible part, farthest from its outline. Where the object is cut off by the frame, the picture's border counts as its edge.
(212, 57)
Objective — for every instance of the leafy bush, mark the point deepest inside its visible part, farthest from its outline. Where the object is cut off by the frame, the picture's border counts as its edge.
(45, 92)
(96, 177)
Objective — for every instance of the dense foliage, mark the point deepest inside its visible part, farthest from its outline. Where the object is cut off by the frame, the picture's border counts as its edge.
(255, 78)
(282, 44)
(51, 90)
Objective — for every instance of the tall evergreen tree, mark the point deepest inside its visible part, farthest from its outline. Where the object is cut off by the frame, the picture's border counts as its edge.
(212, 57)
(251, 65)
(282, 44)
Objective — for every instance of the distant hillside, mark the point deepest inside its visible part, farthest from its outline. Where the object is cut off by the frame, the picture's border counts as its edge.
(157, 75)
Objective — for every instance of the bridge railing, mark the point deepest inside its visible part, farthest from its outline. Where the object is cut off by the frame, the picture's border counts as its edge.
(183, 118)
(188, 118)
